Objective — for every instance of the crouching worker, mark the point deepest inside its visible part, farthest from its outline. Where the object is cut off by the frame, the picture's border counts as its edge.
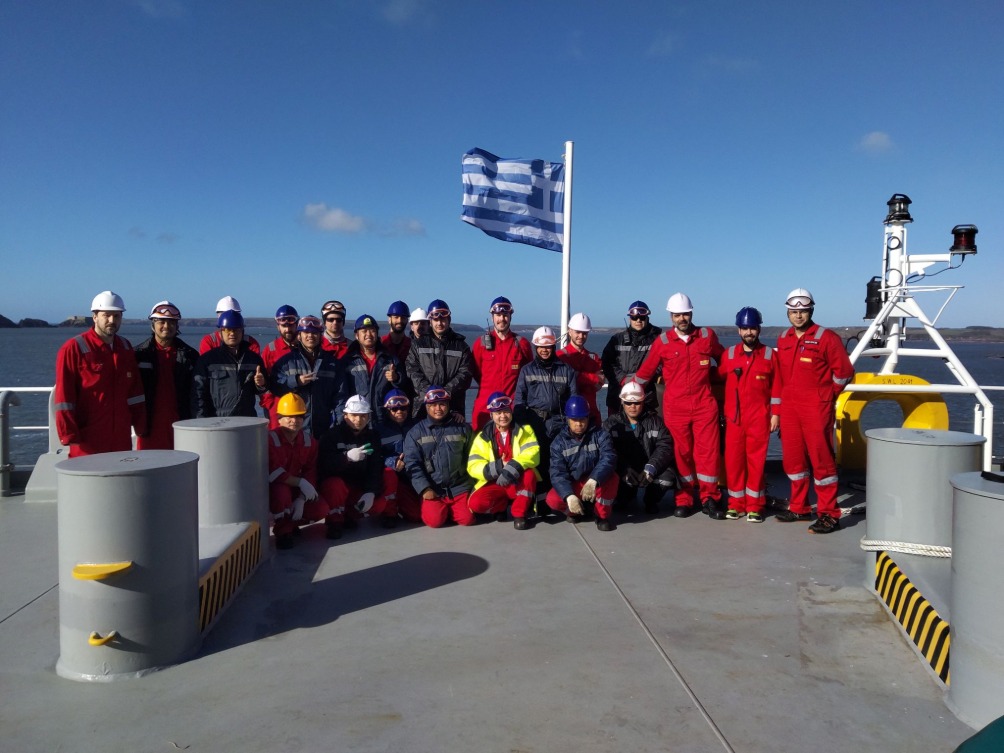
(644, 449)
(351, 470)
(435, 457)
(396, 483)
(292, 473)
(583, 468)
(503, 462)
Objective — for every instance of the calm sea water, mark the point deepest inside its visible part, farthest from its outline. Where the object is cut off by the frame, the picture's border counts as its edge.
(27, 359)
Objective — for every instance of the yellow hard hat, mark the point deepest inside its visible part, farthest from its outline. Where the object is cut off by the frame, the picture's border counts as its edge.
(291, 405)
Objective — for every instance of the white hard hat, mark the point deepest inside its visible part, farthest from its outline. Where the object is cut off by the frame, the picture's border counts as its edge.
(357, 404)
(799, 298)
(544, 337)
(227, 303)
(580, 322)
(419, 315)
(679, 303)
(107, 301)
(632, 392)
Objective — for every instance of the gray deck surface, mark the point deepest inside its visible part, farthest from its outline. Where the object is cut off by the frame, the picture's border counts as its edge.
(664, 635)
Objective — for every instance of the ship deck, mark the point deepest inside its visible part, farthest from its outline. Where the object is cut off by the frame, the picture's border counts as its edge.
(666, 635)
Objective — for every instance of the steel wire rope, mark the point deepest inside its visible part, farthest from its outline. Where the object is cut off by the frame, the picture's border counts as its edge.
(665, 657)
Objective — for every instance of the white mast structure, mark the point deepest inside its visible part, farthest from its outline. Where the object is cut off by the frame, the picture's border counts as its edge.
(892, 300)
(566, 244)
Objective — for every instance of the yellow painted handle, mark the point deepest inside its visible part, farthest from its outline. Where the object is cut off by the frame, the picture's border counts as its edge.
(95, 638)
(99, 570)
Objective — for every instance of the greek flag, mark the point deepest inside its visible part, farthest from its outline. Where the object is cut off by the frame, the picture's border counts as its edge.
(520, 200)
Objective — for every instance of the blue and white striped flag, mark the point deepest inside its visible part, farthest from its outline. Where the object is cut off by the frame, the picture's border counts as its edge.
(520, 200)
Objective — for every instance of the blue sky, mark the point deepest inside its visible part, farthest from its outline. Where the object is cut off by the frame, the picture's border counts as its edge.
(296, 152)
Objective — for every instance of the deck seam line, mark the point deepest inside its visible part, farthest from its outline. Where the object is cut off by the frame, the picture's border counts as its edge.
(665, 657)
(25, 606)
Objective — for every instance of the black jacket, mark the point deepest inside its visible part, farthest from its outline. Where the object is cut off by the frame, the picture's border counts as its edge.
(446, 363)
(223, 385)
(649, 446)
(185, 357)
(622, 357)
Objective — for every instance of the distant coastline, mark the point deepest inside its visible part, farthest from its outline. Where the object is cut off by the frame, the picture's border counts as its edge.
(972, 334)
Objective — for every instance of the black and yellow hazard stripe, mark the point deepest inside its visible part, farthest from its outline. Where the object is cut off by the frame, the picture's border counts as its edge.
(230, 570)
(926, 628)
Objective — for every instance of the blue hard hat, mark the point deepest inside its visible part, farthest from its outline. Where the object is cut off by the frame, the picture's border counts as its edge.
(398, 308)
(366, 321)
(230, 320)
(576, 407)
(748, 317)
(286, 310)
(639, 308)
(438, 305)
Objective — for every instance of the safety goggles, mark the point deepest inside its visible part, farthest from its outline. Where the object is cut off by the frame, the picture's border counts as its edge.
(501, 308)
(438, 395)
(398, 401)
(439, 314)
(798, 302)
(330, 306)
(638, 312)
(309, 324)
(285, 320)
(165, 312)
(500, 403)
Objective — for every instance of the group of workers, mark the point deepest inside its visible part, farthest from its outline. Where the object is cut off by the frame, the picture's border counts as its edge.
(376, 426)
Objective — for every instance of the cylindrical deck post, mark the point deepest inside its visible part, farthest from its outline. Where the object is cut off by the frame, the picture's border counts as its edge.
(128, 563)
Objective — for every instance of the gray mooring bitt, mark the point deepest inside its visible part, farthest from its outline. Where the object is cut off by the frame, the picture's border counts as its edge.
(976, 693)
(233, 469)
(128, 563)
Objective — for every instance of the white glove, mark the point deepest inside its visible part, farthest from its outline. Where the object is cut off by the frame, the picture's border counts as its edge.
(574, 504)
(298, 505)
(359, 453)
(365, 502)
(589, 491)
(307, 489)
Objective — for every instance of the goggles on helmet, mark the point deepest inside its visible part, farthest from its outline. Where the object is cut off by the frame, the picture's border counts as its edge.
(638, 311)
(285, 320)
(439, 314)
(309, 324)
(501, 308)
(438, 395)
(165, 311)
(500, 403)
(330, 306)
(797, 302)
(398, 401)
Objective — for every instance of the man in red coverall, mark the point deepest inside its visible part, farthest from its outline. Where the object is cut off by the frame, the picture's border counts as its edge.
(752, 403)
(292, 469)
(814, 369)
(99, 394)
(688, 355)
(498, 354)
(589, 376)
(286, 318)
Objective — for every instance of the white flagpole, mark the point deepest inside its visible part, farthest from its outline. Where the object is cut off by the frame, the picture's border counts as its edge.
(566, 244)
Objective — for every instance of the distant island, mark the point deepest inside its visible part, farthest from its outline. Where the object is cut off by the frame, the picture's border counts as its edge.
(973, 334)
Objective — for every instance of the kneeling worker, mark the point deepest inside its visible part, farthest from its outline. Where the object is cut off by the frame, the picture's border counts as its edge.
(292, 467)
(644, 450)
(503, 462)
(583, 467)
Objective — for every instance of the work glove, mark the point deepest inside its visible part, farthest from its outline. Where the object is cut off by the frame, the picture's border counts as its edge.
(647, 475)
(307, 489)
(298, 505)
(589, 491)
(365, 503)
(360, 453)
(510, 474)
(574, 504)
(493, 469)
(631, 477)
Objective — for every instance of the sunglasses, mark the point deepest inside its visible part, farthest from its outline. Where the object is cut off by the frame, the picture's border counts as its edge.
(637, 317)
(334, 318)
(437, 315)
(397, 408)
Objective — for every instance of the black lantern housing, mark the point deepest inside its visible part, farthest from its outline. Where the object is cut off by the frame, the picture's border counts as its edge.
(899, 208)
(965, 239)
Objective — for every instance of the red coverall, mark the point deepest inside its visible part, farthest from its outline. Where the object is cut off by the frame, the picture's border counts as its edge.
(814, 369)
(689, 409)
(398, 493)
(497, 369)
(588, 376)
(98, 395)
(291, 458)
(271, 355)
(338, 348)
(752, 396)
(399, 351)
(160, 433)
